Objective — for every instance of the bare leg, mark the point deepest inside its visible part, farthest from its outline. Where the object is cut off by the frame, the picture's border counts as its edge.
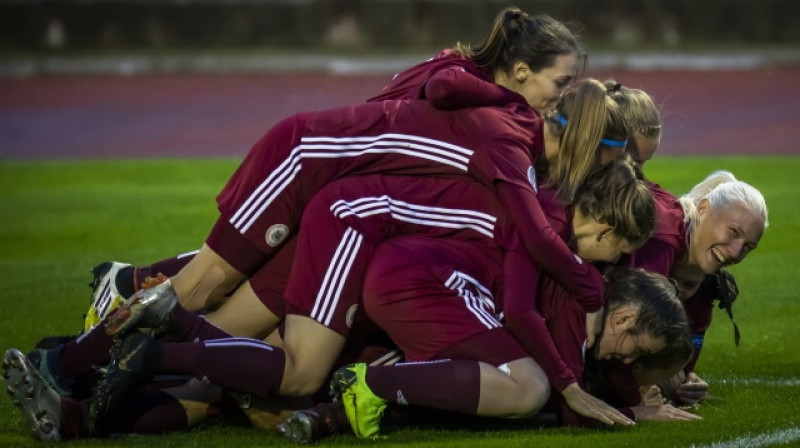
(311, 351)
(204, 282)
(521, 392)
(244, 315)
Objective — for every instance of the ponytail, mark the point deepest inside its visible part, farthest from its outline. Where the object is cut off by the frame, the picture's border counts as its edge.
(517, 36)
(616, 194)
(639, 109)
(583, 117)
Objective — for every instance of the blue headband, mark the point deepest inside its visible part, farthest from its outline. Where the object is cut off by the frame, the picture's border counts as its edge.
(606, 141)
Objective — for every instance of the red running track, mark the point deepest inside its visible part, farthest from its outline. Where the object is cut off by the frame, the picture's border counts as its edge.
(714, 112)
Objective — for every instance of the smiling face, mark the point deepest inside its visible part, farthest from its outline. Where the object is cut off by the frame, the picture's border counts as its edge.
(540, 89)
(723, 235)
(617, 342)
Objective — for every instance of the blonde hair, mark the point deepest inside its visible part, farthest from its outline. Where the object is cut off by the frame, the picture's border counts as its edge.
(591, 115)
(721, 188)
(639, 109)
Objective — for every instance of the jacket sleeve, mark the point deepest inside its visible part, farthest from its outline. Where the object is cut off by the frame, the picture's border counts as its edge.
(453, 87)
(700, 311)
(547, 248)
(520, 279)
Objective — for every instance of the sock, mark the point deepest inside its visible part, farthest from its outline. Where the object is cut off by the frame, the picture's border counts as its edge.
(185, 325)
(88, 350)
(168, 267)
(450, 385)
(145, 411)
(246, 365)
(124, 281)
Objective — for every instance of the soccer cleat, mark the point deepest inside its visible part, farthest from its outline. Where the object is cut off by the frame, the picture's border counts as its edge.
(148, 308)
(46, 362)
(39, 403)
(364, 409)
(105, 296)
(311, 425)
(134, 359)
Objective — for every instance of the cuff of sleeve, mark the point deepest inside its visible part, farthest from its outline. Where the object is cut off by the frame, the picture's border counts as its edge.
(561, 383)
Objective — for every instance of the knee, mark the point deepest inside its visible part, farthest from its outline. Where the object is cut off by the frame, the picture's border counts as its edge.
(534, 391)
(300, 382)
(535, 396)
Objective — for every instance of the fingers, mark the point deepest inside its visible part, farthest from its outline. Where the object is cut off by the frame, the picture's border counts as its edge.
(692, 392)
(620, 418)
(589, 406)
(674, 413)
(610, 415)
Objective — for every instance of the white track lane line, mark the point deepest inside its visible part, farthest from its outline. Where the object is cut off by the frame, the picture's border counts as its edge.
(777, 438)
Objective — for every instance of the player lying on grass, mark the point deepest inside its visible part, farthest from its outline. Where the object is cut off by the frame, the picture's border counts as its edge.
(191, 322)
(643, 317)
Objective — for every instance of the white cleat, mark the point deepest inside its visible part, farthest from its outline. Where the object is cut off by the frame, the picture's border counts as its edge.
(105, 296)
(39, 403)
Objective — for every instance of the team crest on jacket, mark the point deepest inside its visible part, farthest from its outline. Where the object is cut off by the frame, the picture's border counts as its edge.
(276, 234)
(350, 317)
(532, 178)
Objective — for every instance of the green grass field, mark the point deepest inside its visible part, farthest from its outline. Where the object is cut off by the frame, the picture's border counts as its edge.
(57, 219)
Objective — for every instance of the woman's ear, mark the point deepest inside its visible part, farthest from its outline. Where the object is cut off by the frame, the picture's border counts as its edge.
(703, 206)
(521, 71)
(607, 231)
(623, 318)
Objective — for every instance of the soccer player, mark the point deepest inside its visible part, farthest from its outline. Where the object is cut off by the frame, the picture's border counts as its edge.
(523, 58)
(643, 118)
(262, 203)
(643, 316)
(717, 224)
(518, 49)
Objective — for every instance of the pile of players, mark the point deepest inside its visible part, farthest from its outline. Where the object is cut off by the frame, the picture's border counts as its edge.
(484, 219)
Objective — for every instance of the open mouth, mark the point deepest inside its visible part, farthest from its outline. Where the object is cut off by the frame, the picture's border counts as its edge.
(719, 256)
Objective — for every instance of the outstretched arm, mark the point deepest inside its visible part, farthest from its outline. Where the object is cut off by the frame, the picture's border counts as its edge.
(521, 278)
(547, 248)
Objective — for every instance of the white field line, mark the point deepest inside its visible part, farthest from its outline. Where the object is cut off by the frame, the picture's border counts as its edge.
(734, 381)
(782, 437)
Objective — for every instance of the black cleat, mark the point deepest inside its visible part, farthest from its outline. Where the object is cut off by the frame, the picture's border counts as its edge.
(134, 359)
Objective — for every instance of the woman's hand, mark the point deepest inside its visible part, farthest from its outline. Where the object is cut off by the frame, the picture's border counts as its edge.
(693, 390)
(663, 413)
(587, 405)
(651, 396)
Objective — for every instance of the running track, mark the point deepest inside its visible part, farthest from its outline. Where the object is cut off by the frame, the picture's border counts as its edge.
(705, 112)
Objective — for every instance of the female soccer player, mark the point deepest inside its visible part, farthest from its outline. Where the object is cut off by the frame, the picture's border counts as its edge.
(523, 59)
(262, 203)
(533, 56)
